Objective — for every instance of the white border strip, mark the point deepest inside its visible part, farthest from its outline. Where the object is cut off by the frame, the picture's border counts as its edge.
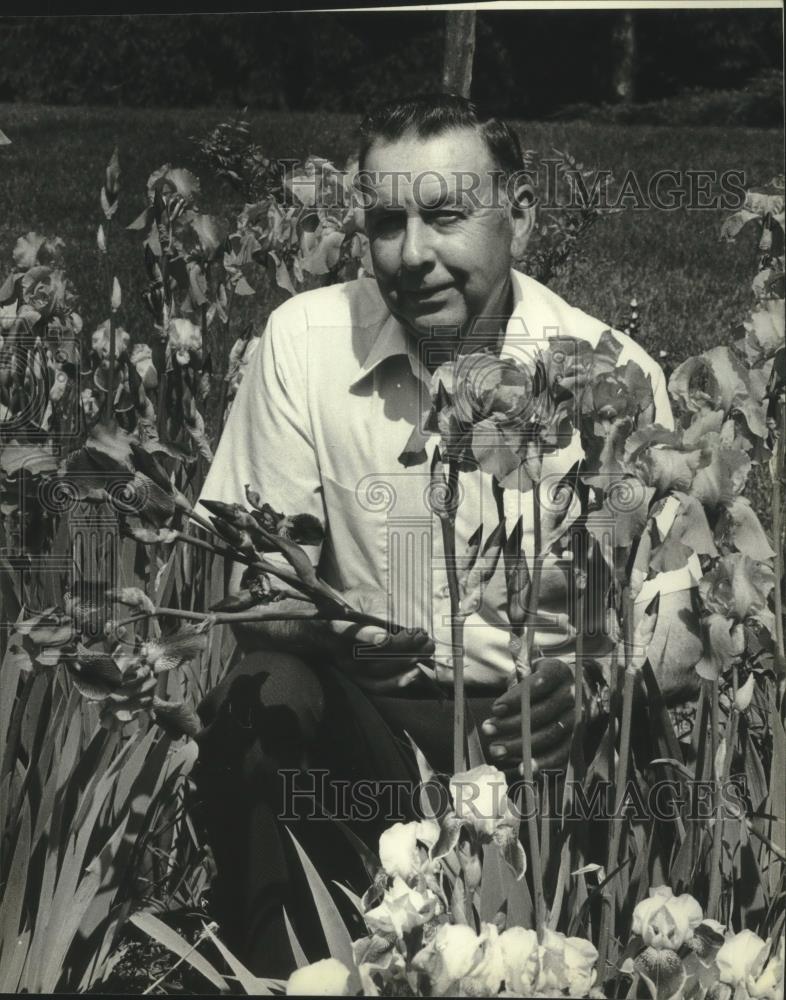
(576, 5)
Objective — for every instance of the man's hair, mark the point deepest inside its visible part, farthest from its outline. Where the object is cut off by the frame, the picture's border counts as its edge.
(433, 114)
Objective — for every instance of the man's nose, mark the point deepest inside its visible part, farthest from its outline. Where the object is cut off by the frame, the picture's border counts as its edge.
(417, 249)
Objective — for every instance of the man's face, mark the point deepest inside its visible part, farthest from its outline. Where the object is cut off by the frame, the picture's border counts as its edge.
(440, 236)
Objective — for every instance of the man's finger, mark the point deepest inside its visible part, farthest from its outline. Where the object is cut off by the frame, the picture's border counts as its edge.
(559, 731)
(355, 632)
(376, 669)
(387, 685)
(543, 714)
(553, 759)
(553, 735)
(405, 642)
(548, 676)
(409, 642)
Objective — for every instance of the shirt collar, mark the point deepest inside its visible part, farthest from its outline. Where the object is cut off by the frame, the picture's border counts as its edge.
(394, 341)
(391, 341)
(517, 282)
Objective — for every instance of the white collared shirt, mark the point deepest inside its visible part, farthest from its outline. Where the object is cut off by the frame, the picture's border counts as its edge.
(326, 407)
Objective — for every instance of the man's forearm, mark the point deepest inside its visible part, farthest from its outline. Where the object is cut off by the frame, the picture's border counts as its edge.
(294, 636)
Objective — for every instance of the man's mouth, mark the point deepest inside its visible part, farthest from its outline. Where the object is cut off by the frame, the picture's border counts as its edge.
(421, 294)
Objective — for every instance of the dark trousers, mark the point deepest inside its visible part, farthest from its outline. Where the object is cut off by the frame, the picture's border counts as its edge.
(274, 726)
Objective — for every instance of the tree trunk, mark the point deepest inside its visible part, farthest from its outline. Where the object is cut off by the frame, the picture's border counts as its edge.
(459, 51)
(625, 49)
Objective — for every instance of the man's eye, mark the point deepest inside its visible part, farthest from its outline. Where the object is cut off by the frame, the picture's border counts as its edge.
(387, 222)
(445, 216)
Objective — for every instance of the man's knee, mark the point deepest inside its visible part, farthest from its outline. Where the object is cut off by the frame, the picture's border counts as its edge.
(272, 696)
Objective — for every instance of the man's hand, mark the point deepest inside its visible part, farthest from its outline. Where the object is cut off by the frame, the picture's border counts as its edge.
(377, 660)
(552, 698)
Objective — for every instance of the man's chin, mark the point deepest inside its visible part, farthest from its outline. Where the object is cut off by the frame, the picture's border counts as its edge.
(432, 323)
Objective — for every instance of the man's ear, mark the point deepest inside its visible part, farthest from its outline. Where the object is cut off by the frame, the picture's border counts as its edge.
(522, 219)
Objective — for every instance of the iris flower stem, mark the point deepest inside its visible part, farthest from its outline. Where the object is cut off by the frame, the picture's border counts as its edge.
(716, 880)
(524, 671)
(110, 393)
(269, 613)
(532, 803)
(161, 398)
(222, 403)
(261, 613)
(580, 558)
(459, 722)
(614, 696)
(609, 913)
(777, 851)
(343, 612)
(537, 566)
(110, 385)
(448, 525)
(576, 764)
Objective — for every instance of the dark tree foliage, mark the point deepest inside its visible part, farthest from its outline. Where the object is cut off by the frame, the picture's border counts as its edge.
(527, 64)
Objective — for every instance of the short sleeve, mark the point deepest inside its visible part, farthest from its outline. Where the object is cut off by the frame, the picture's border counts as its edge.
(267, 441)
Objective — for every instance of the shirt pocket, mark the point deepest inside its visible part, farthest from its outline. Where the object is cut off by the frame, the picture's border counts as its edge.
(355, 550)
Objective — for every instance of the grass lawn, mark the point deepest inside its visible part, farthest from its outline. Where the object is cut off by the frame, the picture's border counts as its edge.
(691, 288)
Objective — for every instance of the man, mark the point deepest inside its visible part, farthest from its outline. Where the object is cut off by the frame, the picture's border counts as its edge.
(328, 405)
